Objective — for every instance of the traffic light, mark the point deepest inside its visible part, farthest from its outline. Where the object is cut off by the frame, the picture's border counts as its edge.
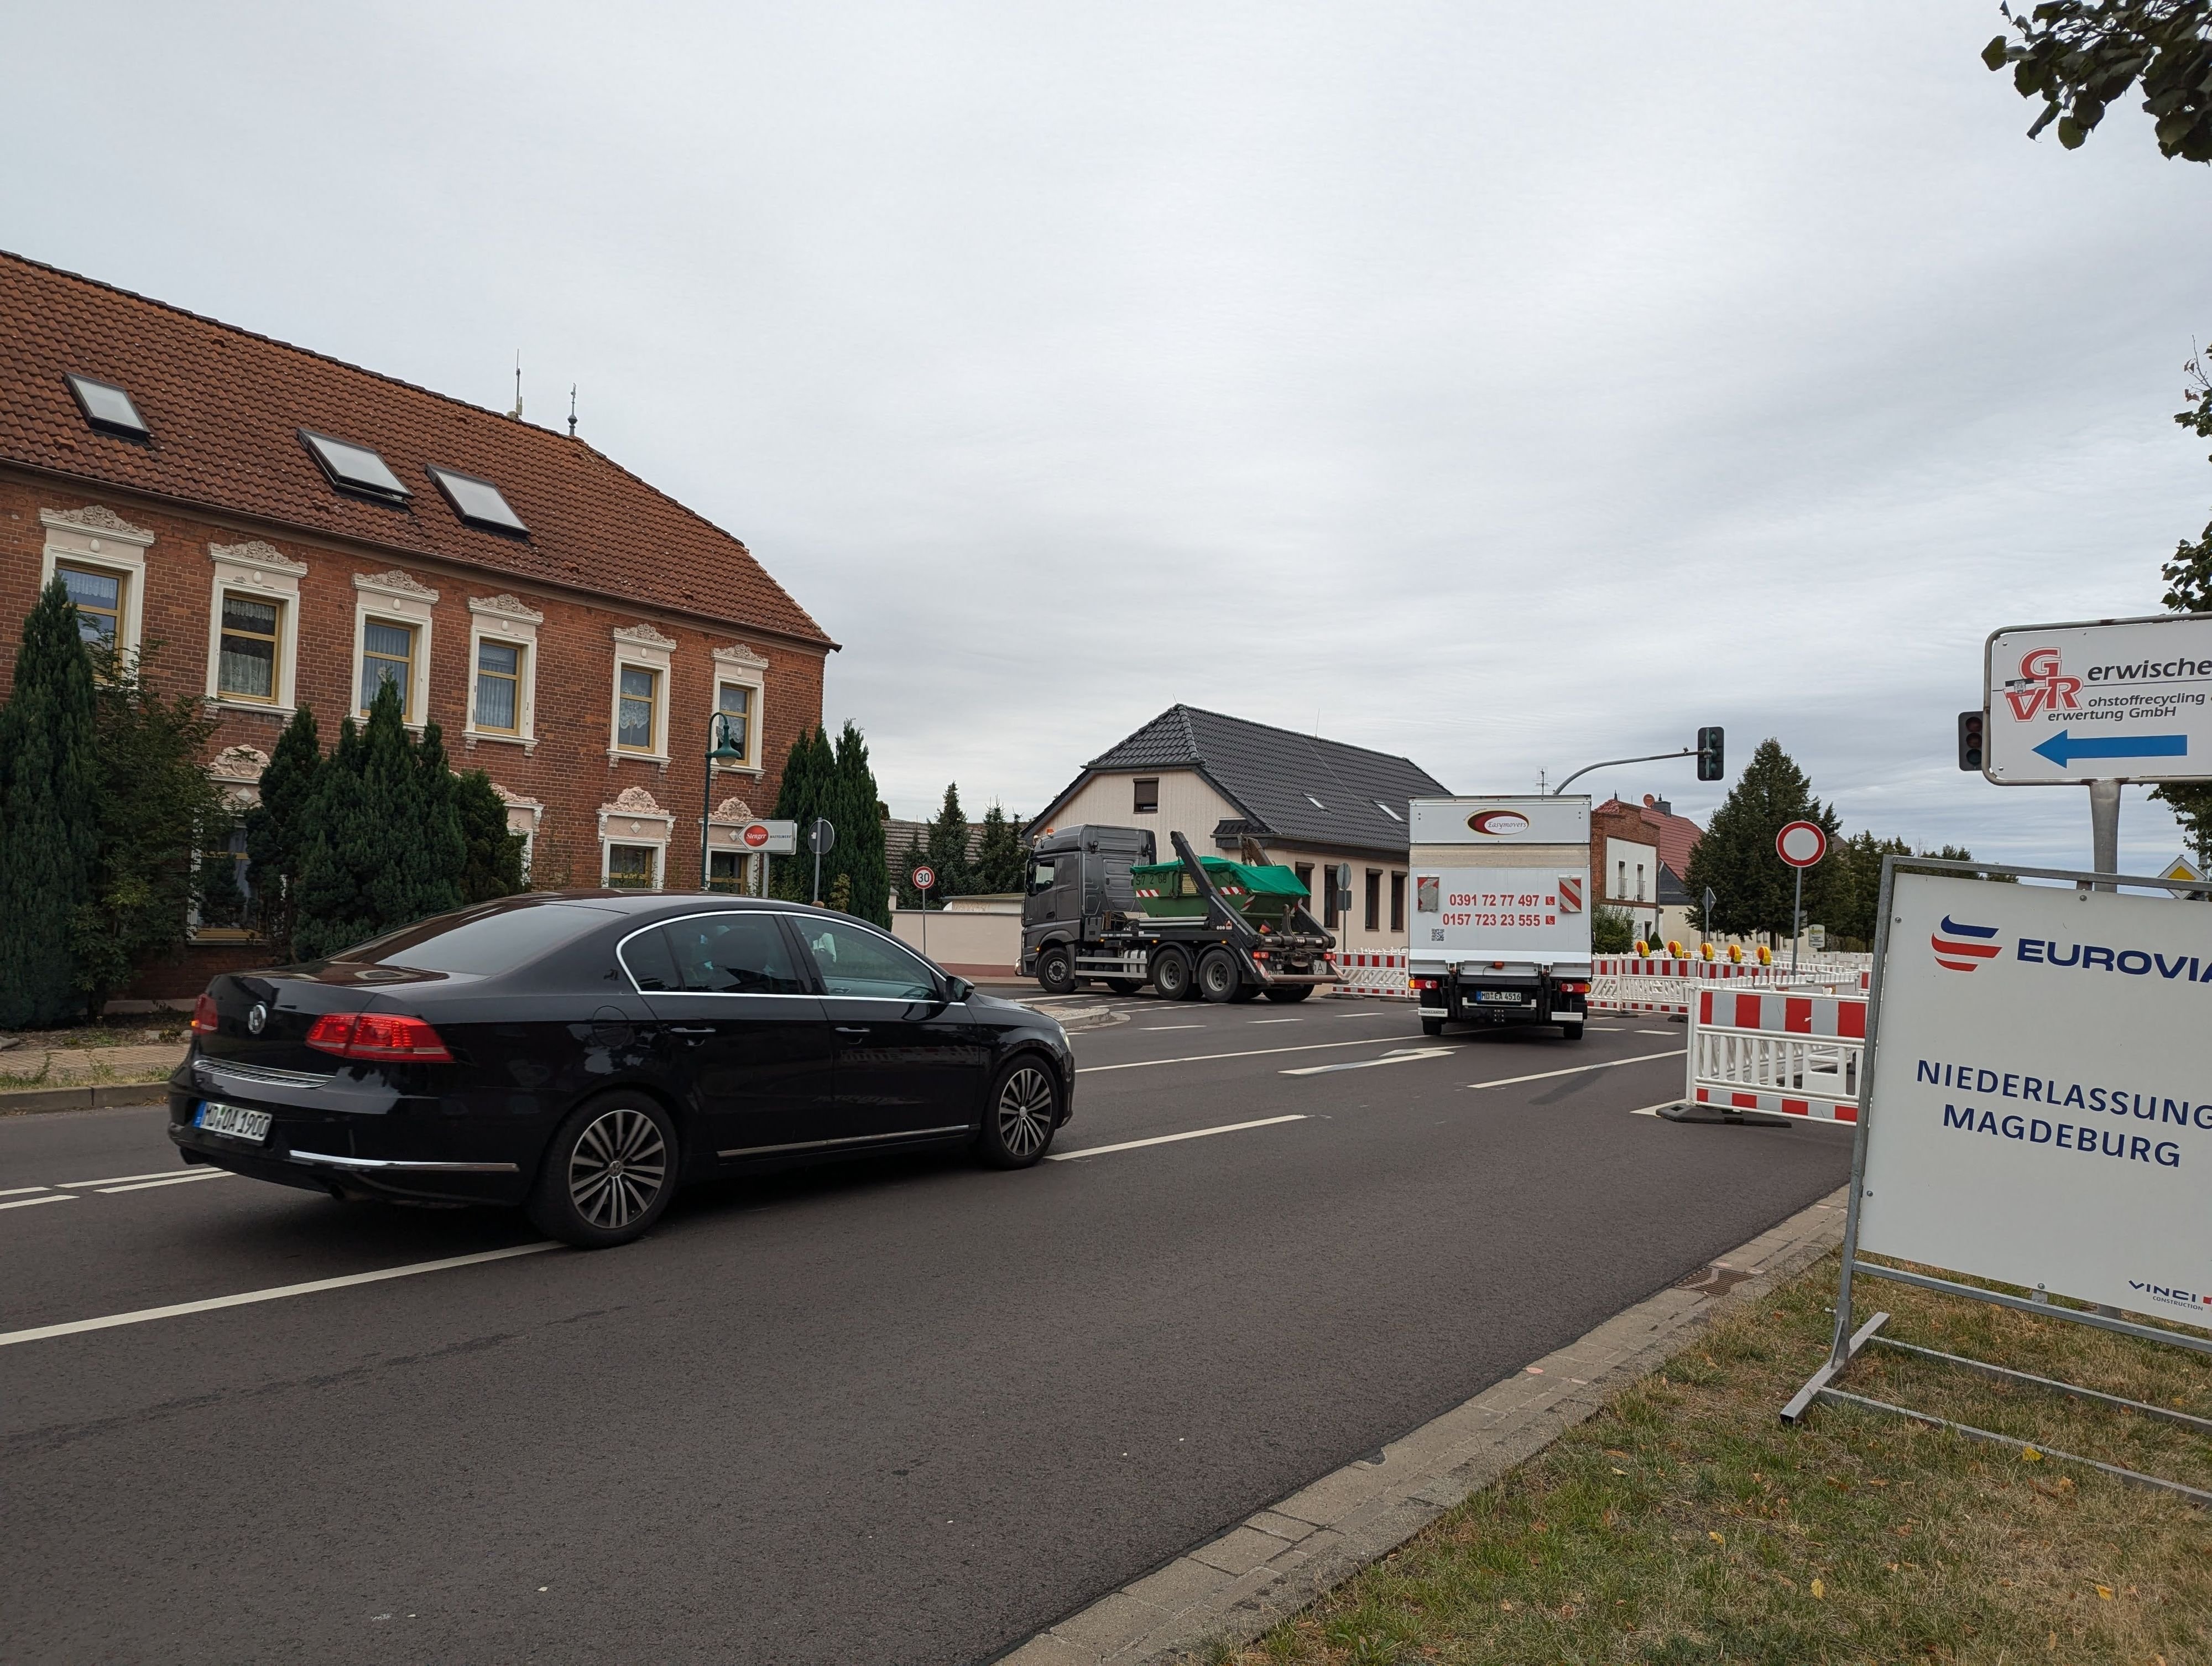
(1970, 739)
(1710, 767)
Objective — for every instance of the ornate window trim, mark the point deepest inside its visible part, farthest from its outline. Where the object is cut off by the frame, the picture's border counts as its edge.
(739, 665)
(402, 599)
(633, 817)
(505, 618)
(265, 573)
(642, 646)
(526, 817)
(96, 536)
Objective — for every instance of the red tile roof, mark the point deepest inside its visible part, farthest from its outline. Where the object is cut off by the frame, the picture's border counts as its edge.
(224, 406)
(1676, 836)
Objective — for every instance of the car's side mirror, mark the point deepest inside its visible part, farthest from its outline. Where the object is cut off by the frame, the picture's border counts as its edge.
(957, 990)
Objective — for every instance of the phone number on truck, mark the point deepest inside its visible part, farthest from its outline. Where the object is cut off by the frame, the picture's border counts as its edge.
(1500, 919)
(1487, 899)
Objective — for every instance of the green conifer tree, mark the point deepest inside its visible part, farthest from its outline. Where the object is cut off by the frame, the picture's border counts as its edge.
(338, 849)
(1000, 861)
(49, 831)
(1752, 885)
(947, 847)
(860, 833)
(493, 863)
(441, 851)
(275, 829)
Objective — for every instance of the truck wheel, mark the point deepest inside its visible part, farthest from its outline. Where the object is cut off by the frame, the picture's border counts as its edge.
(1433, 1026)
(1171, 973)
(1122, 986)
(1288, 993)
(1218, 975)
(1055, 970)
(1572, 1032)
(1245, 992)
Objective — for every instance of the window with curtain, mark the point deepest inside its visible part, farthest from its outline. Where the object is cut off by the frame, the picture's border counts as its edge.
(634, 714)
(387, 655)
(98, 594)
(498, 686)
(630, 867)
(246, 655)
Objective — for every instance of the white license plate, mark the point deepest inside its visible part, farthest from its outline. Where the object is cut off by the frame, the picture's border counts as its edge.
(235, 1121)
(1502, 997)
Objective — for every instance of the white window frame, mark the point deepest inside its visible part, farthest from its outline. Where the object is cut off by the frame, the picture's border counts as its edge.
(748, 670)
(259, 573)
(730, 818)
(398, 598)
(526, 817)
(508, 620)
(98, 537)
(645, 648)
(634, 817)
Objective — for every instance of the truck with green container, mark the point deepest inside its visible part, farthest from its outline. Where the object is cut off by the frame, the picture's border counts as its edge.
(1097, 907)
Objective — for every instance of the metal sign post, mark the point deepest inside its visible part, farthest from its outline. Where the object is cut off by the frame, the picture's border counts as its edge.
(821, 839)
(924, 877)
(1801, 844)
(1989, 1140)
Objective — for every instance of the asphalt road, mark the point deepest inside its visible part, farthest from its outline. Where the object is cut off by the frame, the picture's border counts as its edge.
(901, 1411)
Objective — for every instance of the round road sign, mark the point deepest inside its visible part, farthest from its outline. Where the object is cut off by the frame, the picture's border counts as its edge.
(756, 835)
(1801, 844)
(924, 878)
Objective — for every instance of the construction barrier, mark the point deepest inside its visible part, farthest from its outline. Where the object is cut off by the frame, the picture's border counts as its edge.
(1799, 1054)
(1379, 972)
(1642, 983)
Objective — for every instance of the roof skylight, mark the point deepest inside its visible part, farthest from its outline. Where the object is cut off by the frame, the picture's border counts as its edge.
(476, 500)
(1388, 811)
(107, 406)
(356, 468)
(1316, 802)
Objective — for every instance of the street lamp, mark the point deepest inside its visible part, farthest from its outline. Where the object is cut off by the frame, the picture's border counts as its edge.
(722, 751)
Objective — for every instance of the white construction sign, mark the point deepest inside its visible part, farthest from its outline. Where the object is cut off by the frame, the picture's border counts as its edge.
(2123, 699)
(2041, 1105)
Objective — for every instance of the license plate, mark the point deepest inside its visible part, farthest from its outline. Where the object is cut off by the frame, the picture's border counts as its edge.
(234, 1121)
(1502, 997)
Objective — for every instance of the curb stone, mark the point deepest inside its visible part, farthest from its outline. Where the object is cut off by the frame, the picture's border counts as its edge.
(22, 1102)
(1279, 1559)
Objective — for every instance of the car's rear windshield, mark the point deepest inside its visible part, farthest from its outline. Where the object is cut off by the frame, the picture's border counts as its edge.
(480, 945)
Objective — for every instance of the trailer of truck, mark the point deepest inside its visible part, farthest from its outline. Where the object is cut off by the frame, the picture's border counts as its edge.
(1501, 923)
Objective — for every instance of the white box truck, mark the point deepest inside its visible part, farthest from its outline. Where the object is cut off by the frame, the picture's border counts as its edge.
(1501, 926)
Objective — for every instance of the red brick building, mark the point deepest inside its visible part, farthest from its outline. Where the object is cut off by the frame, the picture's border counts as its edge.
(291, 530)
(1639, 855)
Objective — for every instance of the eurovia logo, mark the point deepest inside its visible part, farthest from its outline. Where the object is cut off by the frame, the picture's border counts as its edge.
(1498, 823)
(1961, 948)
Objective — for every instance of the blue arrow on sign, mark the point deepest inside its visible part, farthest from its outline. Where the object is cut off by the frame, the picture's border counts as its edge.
(2062, 748)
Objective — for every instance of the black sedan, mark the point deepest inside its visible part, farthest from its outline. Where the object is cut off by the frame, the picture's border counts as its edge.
(583, 1054)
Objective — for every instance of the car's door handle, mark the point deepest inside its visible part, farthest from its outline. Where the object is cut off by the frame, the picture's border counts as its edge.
(690, 1029)
(852, 1029)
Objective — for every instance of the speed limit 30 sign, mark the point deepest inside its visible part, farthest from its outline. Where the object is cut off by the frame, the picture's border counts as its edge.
(924, 878)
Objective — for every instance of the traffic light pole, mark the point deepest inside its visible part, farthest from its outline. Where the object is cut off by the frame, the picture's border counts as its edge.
(1648, 758)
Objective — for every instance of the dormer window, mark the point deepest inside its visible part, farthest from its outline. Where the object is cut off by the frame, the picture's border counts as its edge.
(107, 407)
(354, 468)
(477, 501)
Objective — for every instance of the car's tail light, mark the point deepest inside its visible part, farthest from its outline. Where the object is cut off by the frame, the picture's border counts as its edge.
(204, 1016)
(378, 1036)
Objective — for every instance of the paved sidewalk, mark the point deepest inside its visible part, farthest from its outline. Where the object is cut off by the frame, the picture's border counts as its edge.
(1278, 1561)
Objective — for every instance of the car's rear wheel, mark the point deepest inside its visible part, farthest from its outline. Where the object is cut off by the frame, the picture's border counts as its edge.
(1289, 992)
(1055, 970)
(1020, 1116)
(1218, 975)
(608, 1174)
(1171, 973)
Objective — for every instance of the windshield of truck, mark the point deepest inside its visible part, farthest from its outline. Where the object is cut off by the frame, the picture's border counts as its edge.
(1041, 875)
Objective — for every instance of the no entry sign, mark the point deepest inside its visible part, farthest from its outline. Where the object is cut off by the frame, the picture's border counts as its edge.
(1802, 844)
(924, 878)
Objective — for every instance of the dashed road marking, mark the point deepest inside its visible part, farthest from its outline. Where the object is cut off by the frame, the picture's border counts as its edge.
(1156, 1140)
(32, 1202)
(1370, 1064)
(1204, 1058)
(171, 1180)
(1577, 1070)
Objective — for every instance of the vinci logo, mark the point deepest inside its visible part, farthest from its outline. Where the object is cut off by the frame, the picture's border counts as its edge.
(2040, 687)
(1961, 948)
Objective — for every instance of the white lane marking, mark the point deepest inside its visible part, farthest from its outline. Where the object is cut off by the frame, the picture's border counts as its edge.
(1653, 1110)
(1155, 1029)
(1157, 1140)
(18, 1191)
(1203, 1058)
(278, 1293)
(32, 1202)
(118, 1179)
(1370, 1064)
(173, 1180)
(1273, 1020)
(1577, 1070)
(1655, 1032)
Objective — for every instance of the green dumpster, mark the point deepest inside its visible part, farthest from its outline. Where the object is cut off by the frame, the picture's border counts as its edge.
(1264, 894)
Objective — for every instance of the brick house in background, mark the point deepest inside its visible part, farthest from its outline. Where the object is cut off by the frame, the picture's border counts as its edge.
(292, 531)
(1638, 856)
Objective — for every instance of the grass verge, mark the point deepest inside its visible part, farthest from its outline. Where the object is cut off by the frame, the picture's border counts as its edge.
(1685, 1524)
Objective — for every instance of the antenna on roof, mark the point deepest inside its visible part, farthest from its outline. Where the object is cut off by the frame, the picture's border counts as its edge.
(517, 412)
(572, 410)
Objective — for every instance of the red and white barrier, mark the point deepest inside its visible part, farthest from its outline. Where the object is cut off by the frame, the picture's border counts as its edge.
(1643, 983)
(1380, 972)
(1799, 1054)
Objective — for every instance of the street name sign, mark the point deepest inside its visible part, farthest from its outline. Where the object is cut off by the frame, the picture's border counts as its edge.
(2040, 1110)
(2116, 700)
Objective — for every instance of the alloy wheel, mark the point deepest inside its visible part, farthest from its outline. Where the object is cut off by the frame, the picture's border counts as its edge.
(616, 1169)
(1024, 1112)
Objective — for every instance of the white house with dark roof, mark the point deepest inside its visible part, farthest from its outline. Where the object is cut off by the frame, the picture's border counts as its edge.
(1308, 802)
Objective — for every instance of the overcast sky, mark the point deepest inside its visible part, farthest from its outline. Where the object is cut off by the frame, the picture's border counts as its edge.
(1508, 386)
